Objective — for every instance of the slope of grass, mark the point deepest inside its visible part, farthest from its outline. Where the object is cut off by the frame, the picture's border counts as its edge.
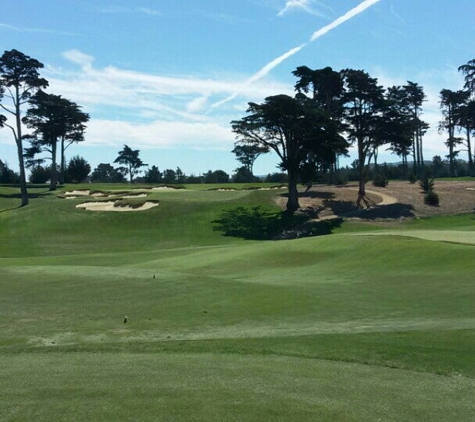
(340, 327)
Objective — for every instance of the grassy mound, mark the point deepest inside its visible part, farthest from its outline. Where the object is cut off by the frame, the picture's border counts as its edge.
(375, 322)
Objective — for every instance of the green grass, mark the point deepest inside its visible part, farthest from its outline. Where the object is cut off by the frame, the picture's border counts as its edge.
(350, 326)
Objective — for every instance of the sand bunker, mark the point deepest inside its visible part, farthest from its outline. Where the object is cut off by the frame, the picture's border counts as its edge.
(165, 188)
(138, 195)
(77, 193)
(110, 206)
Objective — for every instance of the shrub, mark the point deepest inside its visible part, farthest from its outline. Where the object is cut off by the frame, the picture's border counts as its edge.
(427, 184)
(431, 198)
(40, 174)
(380, 180)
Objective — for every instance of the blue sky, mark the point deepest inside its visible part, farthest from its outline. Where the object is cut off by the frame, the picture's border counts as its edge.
(167, 76)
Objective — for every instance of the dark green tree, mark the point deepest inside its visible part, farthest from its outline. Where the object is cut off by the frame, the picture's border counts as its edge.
(468, 70)
(364, 104)
(78, 169)
(105, 173)
(19, 80)
(290, 127)
(248, 154)
(55, 120)
(450, 104)
(169, 176)
(153, 175)
(130, 159)
(415, 97)
(217, 176)
(323, 89)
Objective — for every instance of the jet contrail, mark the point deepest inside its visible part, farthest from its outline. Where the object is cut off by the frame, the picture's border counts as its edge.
(347, 16)
(261, 73)
(274, 63)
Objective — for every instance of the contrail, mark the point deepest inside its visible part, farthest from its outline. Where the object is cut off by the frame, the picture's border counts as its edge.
(261, 73)
(347, 16)
(274, 63)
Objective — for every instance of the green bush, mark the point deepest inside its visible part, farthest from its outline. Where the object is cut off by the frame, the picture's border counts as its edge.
(427, 184)
(380, 180)
(431, 198)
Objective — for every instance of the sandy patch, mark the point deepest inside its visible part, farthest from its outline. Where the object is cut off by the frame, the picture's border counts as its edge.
(164, 188)
(139, 195)
(78, 193)
(110, 206)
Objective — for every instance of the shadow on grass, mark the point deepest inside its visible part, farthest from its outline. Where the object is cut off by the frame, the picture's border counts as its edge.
(257, 223)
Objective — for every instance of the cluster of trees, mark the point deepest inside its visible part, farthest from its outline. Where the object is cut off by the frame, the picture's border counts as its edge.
(458, 111)
(331, 111)
(54, 121)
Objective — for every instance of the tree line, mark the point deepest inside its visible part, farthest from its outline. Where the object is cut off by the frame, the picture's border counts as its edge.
(55, 121)
(330, 111)
(333, 110)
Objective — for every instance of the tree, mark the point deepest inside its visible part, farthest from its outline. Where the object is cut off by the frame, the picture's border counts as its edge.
(468, 70)
(54, 119)
(397, 125)
(169, 176)
(78, 169)
(450, 103)
(130, 158)
(7, 175)
(465, 116)
(326, 88)
(414, 97)
(217, 176)
(180, 176)
(288, 126)
(153, 175)
(242, 175)
(19, 78)
(364, 101)
(40, 174)
(247, 155)
(105, 173)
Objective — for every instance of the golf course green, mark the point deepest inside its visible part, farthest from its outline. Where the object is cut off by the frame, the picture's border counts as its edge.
(374, 322)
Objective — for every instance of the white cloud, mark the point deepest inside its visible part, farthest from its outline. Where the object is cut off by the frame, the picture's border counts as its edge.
(78, 57)
(309, 6)
(38, 30)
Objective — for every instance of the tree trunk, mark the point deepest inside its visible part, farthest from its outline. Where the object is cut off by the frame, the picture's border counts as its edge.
(62, 163)
(54, 173)
(469, 149)
(23, 189)
(293, 197)
(21, 161)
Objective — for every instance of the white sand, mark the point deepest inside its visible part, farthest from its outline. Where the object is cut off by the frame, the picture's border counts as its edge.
(165, 188)
(109, 206)
(78, 193)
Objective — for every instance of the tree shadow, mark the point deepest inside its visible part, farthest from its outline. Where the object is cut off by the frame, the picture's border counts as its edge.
(257, 223)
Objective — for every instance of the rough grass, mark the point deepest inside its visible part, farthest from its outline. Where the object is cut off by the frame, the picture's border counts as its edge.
(344, 327)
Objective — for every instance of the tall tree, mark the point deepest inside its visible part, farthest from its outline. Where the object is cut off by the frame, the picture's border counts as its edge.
(450, 104)
(415, 97)
(248, 154)
(397, 127)
(324, 87)
(20, 79)
(364, 103)
(130, 159)
(54, 120)
(287, 126)
(468, 70)
(466, 122)
(78, 169)
(105, 173)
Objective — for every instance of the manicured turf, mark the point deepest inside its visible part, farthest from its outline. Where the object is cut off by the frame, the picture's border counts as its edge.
(350, 326)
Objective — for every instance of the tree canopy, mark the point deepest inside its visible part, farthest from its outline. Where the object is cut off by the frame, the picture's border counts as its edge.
(19, 80)
(131, 160)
